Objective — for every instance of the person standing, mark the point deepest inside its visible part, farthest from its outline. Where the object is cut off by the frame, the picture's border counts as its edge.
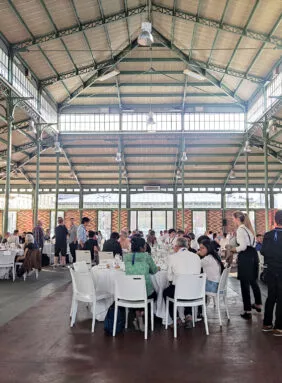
(15, 239)
(272, 252)
(61, 233)
(38, 234)
(82, 232)
(248, 263)
(92, 245)
(73, 239)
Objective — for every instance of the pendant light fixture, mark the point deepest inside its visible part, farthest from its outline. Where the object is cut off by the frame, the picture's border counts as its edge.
(145, 38)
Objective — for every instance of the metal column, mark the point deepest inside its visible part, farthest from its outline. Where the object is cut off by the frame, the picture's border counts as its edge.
(119, 196)
(247, 182)
(57, 186)
(36, 191)
(265, 136)
(128, 204)
(10, 120)
(80, 204)
(182, 197)
(175, 207)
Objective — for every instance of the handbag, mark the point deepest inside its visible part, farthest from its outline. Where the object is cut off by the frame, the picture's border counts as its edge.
(109, 320)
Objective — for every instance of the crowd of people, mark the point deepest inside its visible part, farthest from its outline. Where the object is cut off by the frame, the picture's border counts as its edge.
(189, 255)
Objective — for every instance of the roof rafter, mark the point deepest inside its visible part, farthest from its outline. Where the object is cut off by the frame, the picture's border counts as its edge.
(199, 69)
(102, 68)
(79, 27)
(72, 168)
(276, 41)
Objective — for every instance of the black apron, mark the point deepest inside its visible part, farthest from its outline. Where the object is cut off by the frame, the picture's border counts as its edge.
(248, 263)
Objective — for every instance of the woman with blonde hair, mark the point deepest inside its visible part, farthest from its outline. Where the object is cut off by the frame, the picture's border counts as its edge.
(124, 241)
(248, 263)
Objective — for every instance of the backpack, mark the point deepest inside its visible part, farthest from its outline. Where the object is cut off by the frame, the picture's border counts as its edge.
(109, 320)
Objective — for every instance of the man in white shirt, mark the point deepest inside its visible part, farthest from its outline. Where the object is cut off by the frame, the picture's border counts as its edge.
(15, 238)
(181, 262)
(171, 239)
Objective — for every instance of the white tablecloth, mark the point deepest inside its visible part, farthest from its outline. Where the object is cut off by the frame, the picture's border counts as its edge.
(104, 281)
(5, 271)
(49, 249)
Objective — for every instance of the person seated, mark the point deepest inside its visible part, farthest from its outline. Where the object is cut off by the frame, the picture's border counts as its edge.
(138, 262)
(181, 262)
(47, 235)
(171, 239)
(180, 233)
(35, 244)
(92, 245)
(211, 264)
(223, 242)
(6, 237)
(124, 241)
(29, 245)
(112, 245)
(189, 241)
(151, 238)
(194, 243)
(259, 240)
(15, 239)
(22, 238)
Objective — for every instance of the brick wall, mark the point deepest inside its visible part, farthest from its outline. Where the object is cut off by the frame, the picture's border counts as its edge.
(45, 217)
(24, 220)
(230, 225)
(124, 220)
(72, 214)
(93, 215)
(214, 220)
(187, 220)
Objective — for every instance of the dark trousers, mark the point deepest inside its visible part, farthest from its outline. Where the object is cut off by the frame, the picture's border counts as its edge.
(62, 250)
(246, 293)
(73, 247)
(274, 285)
(169, 292)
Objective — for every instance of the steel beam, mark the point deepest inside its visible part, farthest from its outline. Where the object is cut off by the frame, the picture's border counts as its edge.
(211, 23)
(72, 168)
(200, 69)
(148, 95)
(102, 68)
(259, 52)
(79, 28)
(247, 182)
(265, 151)
(154, 84)
(37, 182)
(57, 187)
(242, 36)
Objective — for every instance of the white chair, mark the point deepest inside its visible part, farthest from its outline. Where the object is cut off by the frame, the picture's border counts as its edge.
(221, 292)
(26, 274)
(7, 261)
(83, 291)
(189, 292)
(83, 256)
(105, 256)
(130, 292)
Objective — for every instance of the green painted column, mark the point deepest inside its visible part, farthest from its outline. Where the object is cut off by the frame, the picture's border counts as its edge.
(247, 182)
(10, 120)
(271, 199)
(174, 208)
(119, 196)
(265, 136)
(36, 191)
(128, 204)
(57, 186)
(80, 204)
(182, 197)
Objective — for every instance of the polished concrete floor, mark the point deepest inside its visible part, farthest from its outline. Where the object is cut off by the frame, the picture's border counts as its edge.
(37, 345)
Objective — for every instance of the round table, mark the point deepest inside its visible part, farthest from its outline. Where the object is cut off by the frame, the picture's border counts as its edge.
(104, 281)
(5, 271)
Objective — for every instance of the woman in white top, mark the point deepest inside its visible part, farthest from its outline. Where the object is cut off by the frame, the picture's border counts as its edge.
(211, 264)
(248, 263)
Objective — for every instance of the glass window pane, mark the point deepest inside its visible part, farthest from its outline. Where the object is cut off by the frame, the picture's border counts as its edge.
(199, 223)
(105, 223)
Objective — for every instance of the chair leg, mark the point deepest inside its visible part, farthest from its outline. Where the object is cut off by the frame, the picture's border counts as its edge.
(24, 276)
(115, 319)
(226, 306)
(74, 311)
(36, 273)
(218, 309)
(206, 319)
(214, 304)
(146, 322)
(126, 317)
(14, 274)
(166, 314)
(93, 316)
(175, 319)
(152, 316)
(193, 316)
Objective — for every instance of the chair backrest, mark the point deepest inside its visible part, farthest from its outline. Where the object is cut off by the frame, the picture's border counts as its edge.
(222, 287)
(83, 284)
(190, 286)
(83, 255)
(105, 256)
(6, 259)
(81, 267)
(130, 287)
